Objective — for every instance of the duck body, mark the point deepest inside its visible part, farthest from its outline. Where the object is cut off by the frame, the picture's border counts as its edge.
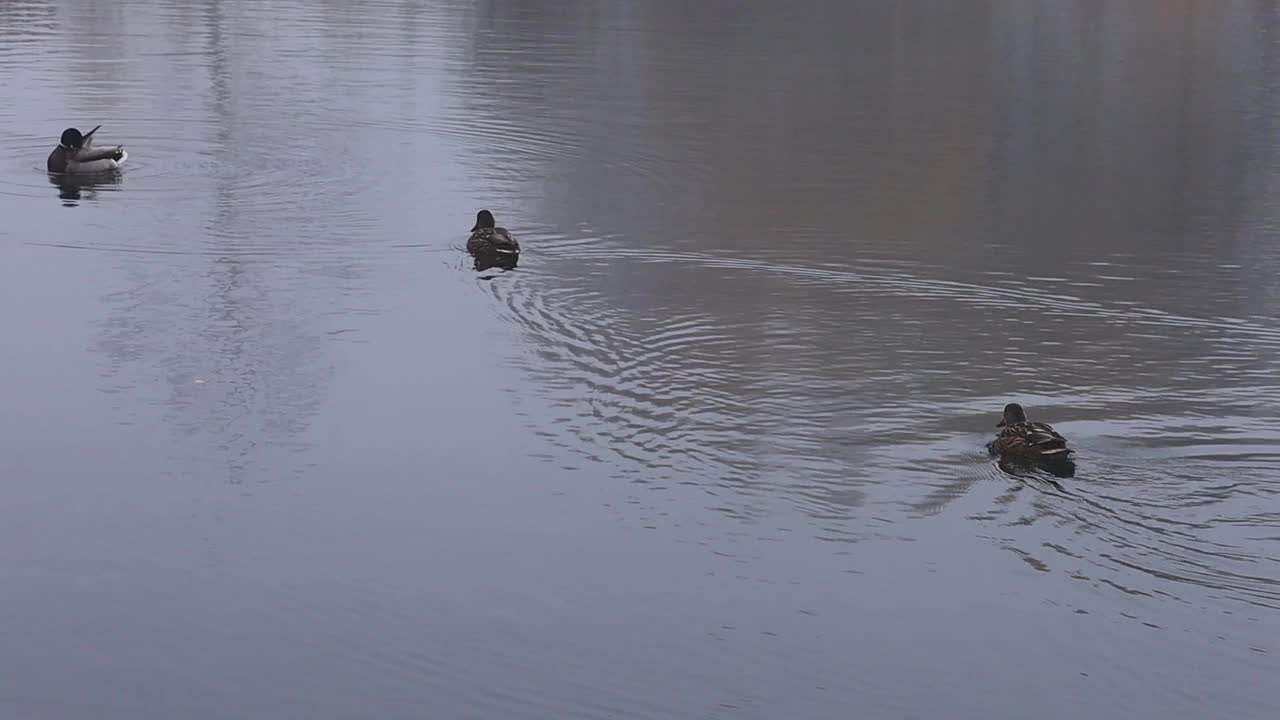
(492, 245)
(492, 240)
(75, 153)
(1021, 439)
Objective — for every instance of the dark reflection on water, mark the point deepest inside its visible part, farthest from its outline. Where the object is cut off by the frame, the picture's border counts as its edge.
(715, 448)
(74, 188)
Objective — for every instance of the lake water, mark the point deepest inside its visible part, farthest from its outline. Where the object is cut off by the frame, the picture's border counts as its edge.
(272, 448)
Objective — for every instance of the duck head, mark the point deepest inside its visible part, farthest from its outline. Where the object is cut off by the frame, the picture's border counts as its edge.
(73, 140)
(484, 219)
(1013, 414)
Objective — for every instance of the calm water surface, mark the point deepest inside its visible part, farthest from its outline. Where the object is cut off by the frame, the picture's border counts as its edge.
(271, 448)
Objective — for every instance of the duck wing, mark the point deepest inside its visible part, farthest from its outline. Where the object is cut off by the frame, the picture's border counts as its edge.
(480, 241)
(1042, 437)
(494, 240)
(88, 154)
(1029, 439)
(504, 242)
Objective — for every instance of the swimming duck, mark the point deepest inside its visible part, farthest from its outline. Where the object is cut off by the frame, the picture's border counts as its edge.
(75, 154)
(488, 242)
(1019, 439)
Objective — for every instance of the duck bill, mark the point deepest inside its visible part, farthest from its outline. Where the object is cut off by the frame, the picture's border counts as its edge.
(90, 133)
(1000, 424)
(477, 227)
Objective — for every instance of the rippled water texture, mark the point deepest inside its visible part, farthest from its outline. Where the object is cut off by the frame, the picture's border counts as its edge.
(272, 448)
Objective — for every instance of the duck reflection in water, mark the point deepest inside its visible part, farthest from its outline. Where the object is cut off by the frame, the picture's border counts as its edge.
(1029, 471)
(488, 261)
(74, 187)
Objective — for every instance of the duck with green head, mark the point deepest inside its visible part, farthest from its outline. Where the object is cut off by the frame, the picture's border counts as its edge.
(75, 154)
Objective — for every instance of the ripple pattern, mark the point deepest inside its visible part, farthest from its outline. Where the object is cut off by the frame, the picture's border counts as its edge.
(810, 382)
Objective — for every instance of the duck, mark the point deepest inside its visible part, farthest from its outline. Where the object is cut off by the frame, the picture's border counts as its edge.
(1021, 439)
(75, 154)
(490, 243)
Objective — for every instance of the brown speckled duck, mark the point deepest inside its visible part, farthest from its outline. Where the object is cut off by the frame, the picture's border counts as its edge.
(1021, 439)
(488, 239)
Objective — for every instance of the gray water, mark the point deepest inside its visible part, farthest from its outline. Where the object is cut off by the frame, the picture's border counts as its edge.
(271, 448)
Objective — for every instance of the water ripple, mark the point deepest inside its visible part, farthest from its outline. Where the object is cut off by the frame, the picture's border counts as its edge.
(747, 399)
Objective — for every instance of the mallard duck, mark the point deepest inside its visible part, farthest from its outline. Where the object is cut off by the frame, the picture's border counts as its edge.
(488, 240)
(75, 154)
(1019, 439)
